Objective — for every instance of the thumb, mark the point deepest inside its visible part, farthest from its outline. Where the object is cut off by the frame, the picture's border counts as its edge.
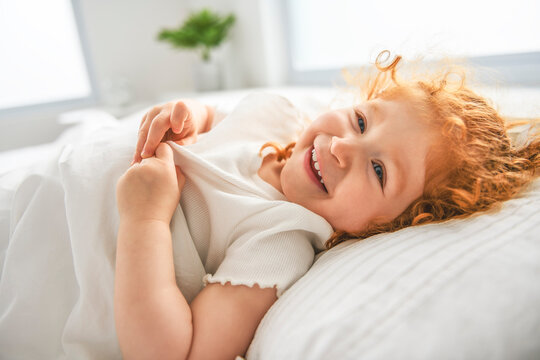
(180, 178)
(164, 152)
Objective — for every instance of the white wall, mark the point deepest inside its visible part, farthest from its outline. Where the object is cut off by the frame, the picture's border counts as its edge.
(121, 35)
(122, 39)
(131, 66)
(255, 55)
(126, 59)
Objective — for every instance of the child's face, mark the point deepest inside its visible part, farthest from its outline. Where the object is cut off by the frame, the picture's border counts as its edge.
(372, 163)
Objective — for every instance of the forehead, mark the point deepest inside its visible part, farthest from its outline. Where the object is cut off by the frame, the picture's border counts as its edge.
(398, 110)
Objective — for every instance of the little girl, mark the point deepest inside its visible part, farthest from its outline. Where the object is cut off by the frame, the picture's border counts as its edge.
(412, 152)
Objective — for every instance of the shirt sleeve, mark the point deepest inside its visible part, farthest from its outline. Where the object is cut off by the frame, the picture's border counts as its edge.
(274, 248)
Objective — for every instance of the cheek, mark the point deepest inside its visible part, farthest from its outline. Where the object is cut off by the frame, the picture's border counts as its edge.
(352, 210)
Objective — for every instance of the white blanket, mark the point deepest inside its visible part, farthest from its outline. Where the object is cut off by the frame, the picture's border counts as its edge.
(58, 231)
(57, 280)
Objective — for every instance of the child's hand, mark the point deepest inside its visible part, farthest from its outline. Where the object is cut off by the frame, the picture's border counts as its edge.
(150, 190)
(179, 121)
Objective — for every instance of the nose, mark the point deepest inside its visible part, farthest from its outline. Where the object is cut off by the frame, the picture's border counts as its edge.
(342, 149)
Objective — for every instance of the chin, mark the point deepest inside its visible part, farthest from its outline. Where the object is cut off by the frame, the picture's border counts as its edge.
(292, 195)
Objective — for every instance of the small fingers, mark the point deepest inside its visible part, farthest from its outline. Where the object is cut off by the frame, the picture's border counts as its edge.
(151, 114)
(141, 139)
(159, 126)
(179, 114)
(143, 131)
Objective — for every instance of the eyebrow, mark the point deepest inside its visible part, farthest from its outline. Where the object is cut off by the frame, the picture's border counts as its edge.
(374, 109)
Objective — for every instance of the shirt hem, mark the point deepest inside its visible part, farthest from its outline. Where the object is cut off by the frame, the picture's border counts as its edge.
(211, 279)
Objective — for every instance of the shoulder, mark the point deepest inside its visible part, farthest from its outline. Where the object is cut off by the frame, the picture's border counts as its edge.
(265, 110)
(263, 98)
(259, 117)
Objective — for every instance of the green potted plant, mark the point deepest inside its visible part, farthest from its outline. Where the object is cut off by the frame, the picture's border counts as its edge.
(204, 31)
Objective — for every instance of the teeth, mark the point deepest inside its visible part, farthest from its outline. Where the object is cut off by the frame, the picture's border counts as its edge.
(316, 164)
(314, 158)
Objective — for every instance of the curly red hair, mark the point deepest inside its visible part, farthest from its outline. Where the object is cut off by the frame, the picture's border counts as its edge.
(476, 166)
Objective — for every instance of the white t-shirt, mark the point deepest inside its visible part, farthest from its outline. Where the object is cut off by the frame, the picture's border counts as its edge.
(232, 226)
(58, 230)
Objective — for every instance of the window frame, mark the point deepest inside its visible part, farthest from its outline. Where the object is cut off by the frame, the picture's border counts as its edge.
(517, 70)
(56, 107)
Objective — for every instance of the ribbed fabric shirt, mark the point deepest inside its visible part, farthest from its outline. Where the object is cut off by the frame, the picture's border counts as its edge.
(232, 226)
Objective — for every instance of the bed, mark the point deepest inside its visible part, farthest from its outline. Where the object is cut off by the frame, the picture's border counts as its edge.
(465, 289)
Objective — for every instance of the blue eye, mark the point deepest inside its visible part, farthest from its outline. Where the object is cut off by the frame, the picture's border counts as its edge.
(361, 124)
(379, 171)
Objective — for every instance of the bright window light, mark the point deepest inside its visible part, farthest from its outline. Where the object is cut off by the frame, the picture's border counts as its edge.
(333, 34)
(41, 57)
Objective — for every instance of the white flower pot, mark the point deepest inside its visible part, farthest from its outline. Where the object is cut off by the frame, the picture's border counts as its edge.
(208, 76)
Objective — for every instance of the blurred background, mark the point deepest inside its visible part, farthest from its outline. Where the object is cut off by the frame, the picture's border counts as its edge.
(64, 55)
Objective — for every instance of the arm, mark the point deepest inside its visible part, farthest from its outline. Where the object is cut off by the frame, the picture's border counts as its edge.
(153, 319)
(225, 318)
(180, 121)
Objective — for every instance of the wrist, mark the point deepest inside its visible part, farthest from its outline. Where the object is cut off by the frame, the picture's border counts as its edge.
(144, 213)
(133, 221)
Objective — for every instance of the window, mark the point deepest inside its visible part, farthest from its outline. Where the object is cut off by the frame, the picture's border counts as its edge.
(43, 60)
(326, 35)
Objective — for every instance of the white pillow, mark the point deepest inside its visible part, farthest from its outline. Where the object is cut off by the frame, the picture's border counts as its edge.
(464, 289)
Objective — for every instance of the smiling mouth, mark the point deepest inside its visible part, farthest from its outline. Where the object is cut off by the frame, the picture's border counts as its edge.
(315, 168)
